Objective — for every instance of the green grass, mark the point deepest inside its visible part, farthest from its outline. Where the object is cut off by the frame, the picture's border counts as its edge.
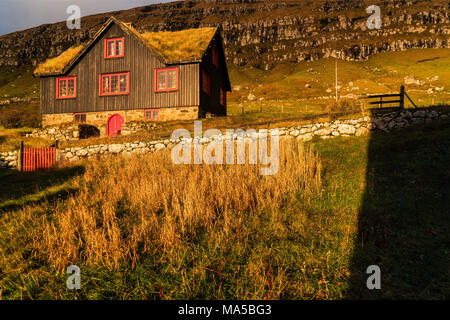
(19, 189)
(283, 89)
(385, 201)
(10, 139)
(18, 82)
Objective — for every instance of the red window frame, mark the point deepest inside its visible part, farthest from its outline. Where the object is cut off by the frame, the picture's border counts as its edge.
(215, 57)
(223, 97)
(115, 40)
(206, 82)
(59, 80)
(120, 93)
(152, 113)
(166, 70)
(80, 116)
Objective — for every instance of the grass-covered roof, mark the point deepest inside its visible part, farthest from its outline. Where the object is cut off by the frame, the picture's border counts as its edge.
(57, 64)
(172, 47)
(182, 45)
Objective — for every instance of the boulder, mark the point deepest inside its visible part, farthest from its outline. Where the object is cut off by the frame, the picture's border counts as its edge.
(251, 97)
(346, 129)
(323, 132)
(115, 148)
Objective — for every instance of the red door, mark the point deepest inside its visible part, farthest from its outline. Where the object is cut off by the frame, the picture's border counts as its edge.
(115, 123)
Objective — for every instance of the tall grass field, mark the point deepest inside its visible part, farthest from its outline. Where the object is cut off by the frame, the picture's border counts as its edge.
(140, 227)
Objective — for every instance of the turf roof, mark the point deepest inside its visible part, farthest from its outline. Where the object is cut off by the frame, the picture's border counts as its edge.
(57, 64)
(172, 47)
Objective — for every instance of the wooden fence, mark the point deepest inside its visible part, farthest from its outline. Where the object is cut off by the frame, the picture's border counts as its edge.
(400, 101)
(34, 159)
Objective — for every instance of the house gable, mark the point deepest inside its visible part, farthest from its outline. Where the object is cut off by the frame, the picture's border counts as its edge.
(138, 61)
(183, 46)
(136, 65)
(68, 59)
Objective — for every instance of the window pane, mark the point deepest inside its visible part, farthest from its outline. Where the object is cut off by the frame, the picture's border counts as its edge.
(110, 48)
(62, 88)
(80, 118)
(119, 47)
(70, 87)
(171, 83)
(155, 115)
(161, 80)
(123, 83)
(106, 85)
(114, 84)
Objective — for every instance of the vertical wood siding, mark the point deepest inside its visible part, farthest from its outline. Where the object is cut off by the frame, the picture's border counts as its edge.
(211, 103)
(140, 62)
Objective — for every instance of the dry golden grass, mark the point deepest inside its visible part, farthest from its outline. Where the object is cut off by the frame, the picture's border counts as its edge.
(189, 44)
(58, 63)
(129, 208)
(11, 139)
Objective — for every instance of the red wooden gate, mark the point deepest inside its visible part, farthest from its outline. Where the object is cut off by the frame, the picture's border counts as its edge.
(38, 158)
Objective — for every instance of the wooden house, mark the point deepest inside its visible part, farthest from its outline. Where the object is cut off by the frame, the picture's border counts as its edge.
(122, 75)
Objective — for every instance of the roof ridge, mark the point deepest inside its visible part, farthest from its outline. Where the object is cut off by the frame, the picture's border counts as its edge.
(152, 41)
(138, 34)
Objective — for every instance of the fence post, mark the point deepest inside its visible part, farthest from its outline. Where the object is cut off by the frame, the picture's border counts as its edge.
(20, 158)
(57, 154)
(402, 97)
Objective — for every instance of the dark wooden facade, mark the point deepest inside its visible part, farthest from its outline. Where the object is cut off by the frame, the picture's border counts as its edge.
(219, 79)
(141, 63)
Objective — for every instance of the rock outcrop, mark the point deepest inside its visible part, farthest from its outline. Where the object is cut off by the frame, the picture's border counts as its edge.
(261, 33)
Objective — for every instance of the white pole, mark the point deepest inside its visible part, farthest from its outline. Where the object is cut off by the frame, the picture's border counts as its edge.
(336, 79)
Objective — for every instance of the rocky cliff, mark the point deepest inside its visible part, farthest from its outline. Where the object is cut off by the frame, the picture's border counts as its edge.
(261, 33)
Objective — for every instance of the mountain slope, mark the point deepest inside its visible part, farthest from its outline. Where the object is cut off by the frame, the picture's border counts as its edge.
(261, 33)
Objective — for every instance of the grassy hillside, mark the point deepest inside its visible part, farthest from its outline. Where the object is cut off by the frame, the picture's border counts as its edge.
(288, 93)
(299, 235)
(290, 89)
(18, 82)
(308, 88)
(19, 94)
(258, 33)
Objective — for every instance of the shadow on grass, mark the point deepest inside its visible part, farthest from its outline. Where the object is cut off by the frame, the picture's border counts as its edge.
(22, 188)
(404, 219)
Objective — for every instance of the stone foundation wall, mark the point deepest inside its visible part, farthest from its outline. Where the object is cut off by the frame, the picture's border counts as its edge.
(61, 126)
(100, 119)
(67, 132)
(9, 159)
(60, 133)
